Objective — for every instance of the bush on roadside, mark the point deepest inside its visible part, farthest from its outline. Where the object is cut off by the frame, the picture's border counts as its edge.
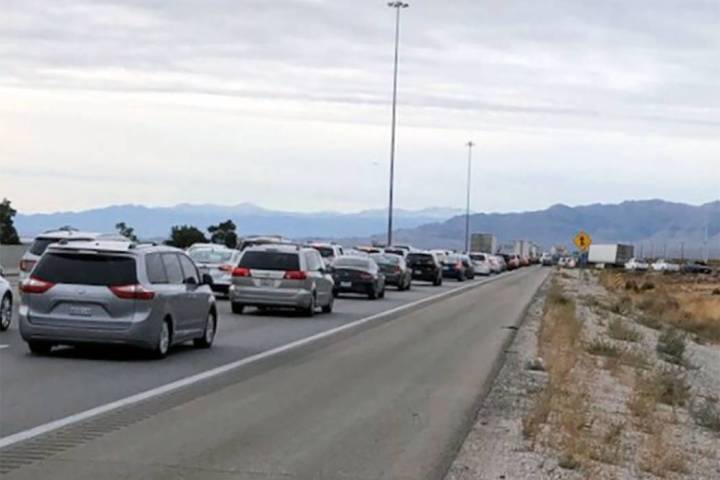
(706, 413)
(672, 386)
(671, 346)
(619, 330)
(602, 348)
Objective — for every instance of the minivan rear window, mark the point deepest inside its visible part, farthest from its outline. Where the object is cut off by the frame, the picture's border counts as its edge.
(86, 269)
(270, 261)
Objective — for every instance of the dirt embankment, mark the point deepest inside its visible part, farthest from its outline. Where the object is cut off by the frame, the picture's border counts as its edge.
(612, 376)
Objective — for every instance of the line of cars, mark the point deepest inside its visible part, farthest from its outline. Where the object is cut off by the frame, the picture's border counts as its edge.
(79, 288)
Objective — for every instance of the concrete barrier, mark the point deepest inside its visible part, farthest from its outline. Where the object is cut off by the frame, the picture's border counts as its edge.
(10, 257)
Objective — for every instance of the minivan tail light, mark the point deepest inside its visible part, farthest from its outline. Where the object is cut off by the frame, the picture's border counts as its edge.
(132, 292)
(241, 272)
(295, 275)
(35, 285)
(27, 265)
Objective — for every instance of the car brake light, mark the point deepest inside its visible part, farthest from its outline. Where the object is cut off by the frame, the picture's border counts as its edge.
(225, 268)
(295, 275)
(458, 266)
(35, 285)
(241, 272)
(132, 292)
(27, 265)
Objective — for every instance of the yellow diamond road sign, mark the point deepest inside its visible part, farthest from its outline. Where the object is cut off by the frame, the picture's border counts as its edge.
(582, 241)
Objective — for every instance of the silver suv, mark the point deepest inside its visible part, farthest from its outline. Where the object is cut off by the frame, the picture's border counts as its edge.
(282, 276)
(116, 293)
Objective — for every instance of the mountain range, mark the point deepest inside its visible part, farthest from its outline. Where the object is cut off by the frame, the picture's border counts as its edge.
(155, 222)
(653, 224)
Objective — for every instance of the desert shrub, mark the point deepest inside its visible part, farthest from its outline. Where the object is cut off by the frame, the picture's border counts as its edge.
(706, 413)
(671, 346)
(672, 386)
(602, 348)
(619, 330)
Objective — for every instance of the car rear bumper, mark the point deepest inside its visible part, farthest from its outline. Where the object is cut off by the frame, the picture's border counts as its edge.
(452, 274)
(270, 297)
(355, 287)
(139, 334)
(425, 276)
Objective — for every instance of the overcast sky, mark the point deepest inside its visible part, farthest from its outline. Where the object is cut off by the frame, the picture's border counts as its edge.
(286, 103)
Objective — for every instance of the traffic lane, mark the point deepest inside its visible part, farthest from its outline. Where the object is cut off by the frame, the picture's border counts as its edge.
(390, 402)
(35, 390)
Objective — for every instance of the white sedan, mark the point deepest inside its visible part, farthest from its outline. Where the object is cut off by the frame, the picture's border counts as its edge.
(636, 265)
(6, 302)
(663, 266)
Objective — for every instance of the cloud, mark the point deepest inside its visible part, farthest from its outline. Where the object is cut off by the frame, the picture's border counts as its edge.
(150, 77)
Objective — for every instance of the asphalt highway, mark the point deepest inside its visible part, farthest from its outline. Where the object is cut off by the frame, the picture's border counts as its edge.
(392, 401)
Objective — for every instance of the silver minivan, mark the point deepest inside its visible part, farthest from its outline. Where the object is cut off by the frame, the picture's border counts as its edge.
(282, 276)
(116, 293)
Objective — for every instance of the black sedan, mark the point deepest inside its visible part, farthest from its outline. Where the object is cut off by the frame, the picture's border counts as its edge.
(458, 267)
(425, 266)
(395, 270)
(358, 275)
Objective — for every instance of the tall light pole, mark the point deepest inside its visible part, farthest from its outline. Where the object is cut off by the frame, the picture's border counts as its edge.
(470, 146)
(397, 6)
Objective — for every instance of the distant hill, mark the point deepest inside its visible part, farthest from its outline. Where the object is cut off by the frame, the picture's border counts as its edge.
(648, 223)
(155, 222)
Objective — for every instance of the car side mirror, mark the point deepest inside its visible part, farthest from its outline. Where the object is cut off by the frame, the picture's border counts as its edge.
(207, 279)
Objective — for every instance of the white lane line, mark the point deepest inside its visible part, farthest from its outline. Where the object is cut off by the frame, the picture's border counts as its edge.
(198, 377)
(4, 346)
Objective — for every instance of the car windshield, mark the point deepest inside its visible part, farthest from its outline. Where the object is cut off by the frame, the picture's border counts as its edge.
(352, 262)
(207, 255)
(269, 260)
(86, 269)
(325, 252)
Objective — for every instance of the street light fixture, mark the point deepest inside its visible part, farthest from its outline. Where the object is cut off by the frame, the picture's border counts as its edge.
(397, 6)
(470, 146)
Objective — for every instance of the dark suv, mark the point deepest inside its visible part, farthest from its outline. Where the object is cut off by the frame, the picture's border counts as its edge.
(425, 267)
(116, 293)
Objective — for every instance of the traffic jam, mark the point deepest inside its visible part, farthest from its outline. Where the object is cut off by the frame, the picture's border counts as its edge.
(78, 288)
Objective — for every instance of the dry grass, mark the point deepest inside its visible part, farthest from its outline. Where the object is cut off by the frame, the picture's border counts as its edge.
(659, 457)
(683, 302)
(619, 329)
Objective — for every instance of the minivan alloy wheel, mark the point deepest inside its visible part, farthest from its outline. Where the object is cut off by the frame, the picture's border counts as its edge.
(164, 340)
(5, 313)
(210, 329)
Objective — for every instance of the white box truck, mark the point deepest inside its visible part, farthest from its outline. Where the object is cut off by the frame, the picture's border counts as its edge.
(483, 242)
(610, 254)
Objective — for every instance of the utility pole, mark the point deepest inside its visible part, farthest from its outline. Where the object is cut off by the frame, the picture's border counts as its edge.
(397, 6)
(682, 251)
(470, 146)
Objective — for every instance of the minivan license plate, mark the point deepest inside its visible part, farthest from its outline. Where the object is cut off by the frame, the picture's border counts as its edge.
(267, 282)
(80, 311)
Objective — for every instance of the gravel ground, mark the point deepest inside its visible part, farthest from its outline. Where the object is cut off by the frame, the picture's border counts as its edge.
(496, 449)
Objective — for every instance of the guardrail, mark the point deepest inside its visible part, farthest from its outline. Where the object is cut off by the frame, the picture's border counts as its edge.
(10, 257)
